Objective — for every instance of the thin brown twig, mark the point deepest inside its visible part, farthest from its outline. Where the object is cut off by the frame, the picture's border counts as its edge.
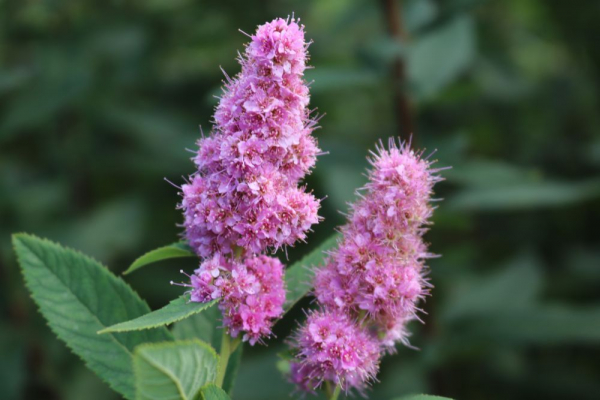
(403, 107)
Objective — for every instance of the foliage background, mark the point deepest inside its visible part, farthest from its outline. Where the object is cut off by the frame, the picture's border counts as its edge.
(98, 101)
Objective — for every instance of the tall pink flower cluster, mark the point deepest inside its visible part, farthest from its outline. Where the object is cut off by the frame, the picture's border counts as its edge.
(245, 197)
(376, 276)
(246, 192)
(251, 292)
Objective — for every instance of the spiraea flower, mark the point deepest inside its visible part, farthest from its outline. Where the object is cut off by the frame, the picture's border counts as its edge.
(379, 266)
(332, 347)
(372, 283)
(246, 191)
(251, 293)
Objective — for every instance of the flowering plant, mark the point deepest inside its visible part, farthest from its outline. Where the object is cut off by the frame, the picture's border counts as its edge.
(242, 204)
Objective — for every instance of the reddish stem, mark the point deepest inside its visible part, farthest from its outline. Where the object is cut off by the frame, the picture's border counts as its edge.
(403, 107)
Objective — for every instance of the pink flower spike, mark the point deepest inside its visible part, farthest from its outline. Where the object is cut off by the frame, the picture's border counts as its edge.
(246, 191)
(378, 272)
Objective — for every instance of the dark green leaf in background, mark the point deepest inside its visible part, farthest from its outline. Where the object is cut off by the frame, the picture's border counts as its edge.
(201, 326)
(327, 79)
(436, 59)
(419, 13)
(299, 275)
(422, 397)
(526, 196)
(12, 364)
(540, 325)
(484, 173)
(112, 228)
(515, 286)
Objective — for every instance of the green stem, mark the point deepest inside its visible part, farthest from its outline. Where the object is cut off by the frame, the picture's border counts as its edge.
(336, 393)
(228, 346)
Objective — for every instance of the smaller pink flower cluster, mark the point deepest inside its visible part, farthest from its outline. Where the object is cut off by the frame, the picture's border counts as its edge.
(342, 352)
(376, 276)
(252, 292)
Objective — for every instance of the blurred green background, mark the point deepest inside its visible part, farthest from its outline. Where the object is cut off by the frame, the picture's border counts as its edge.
(100, 99)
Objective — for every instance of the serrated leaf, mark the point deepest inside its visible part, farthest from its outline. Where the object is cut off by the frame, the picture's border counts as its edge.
(78, 297)
(206, 326)
(175, 250)
(298, 276)
(422, 397)
(173, 370)
(176, 310)
(212, 392)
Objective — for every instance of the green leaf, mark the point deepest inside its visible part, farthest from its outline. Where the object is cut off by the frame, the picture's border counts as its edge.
(539, 325)
(418, 13)
(526, 196)
(298, 276)
(111, 229)
(176, 310)
(13, 364)
(48, 97)
(206, 326)
(175, 250)
(438, 58)
(212, 392)
(342, 179)
(201, 326)
(173, 370)
(481, 296)
(78, 297)
(482, 173)
(422, 397)
(327, 79)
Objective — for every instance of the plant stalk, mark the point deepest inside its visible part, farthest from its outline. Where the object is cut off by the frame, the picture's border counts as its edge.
(392, 13)
(228, 346)
(336, 392)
